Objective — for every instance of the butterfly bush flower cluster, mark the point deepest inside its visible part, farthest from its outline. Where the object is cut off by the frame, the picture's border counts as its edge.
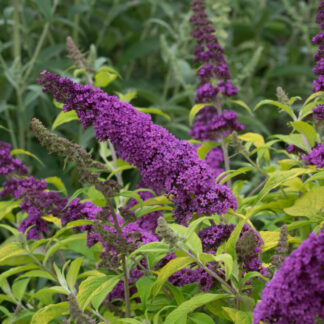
(166, 164)
(318, 111)
(316, 156)
(8, 164)
(296, 293)
(214, 78)
(36, 200)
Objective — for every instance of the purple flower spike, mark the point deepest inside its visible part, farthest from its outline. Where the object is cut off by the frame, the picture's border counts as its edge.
(316, 156)
(166, 164)
(296, 293)
(319, 56)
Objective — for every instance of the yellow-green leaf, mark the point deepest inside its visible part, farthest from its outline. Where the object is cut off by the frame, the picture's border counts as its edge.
(195, 110)
(168, 270)
(205, 147)
(179, 315)
(10, 249)
(256, 139)
(104, 78)
(278, 179)
(238, 316)
(154, 111)
(53, 219)
(242, 104)
(7, 206)
(58, 183)
(20, 151)
(93, 286)
(310, 205)
(278, 104)
(271, 239)
(64, 117)
(307, 130)
(50, 312)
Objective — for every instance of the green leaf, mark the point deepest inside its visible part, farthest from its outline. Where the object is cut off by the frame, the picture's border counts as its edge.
(153, 111)
(6, 207)
(271, 238)
(199, 318)
(120, 169)
(104, 78)
(307, 130)
(287, 109)
(254, 274)
(49, 291)
(150, 209)
(72, 274)
(313, 96)
(45, 8)
(153, 247)
(19, 287)
(310, 205)
(168, 270)
(242, 104)
(144, 285)
(16, 270)
(225, 176)
(131, 194)
(228, 262)
(95, 290)
(278, 179)
(139, 49)
(130, 321)
(11, 249)
(295, 139)
(179, 315)
(20, 151)
(158, 200)
(127, 97)
(37, 274)
(192, 242)
(63, 243)
(238, 316)
(205, 147)
(58, 183)
(195, 110)
(256, 139)
(50, 312)
(230, 246)
(64, 117)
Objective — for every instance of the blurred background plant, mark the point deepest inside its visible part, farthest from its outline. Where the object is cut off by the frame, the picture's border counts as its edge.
(149, 43)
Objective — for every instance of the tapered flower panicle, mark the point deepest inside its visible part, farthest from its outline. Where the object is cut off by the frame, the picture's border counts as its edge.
(214, 78)
(296, 293)
(319, 56)
(166, 164)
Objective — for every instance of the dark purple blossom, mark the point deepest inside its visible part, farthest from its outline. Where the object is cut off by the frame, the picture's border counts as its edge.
(214, 159)
(316, 156)
(318, 112)
(296, 293)
(210, 126)
(166, 163)
(8, 164)
(319, 56)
